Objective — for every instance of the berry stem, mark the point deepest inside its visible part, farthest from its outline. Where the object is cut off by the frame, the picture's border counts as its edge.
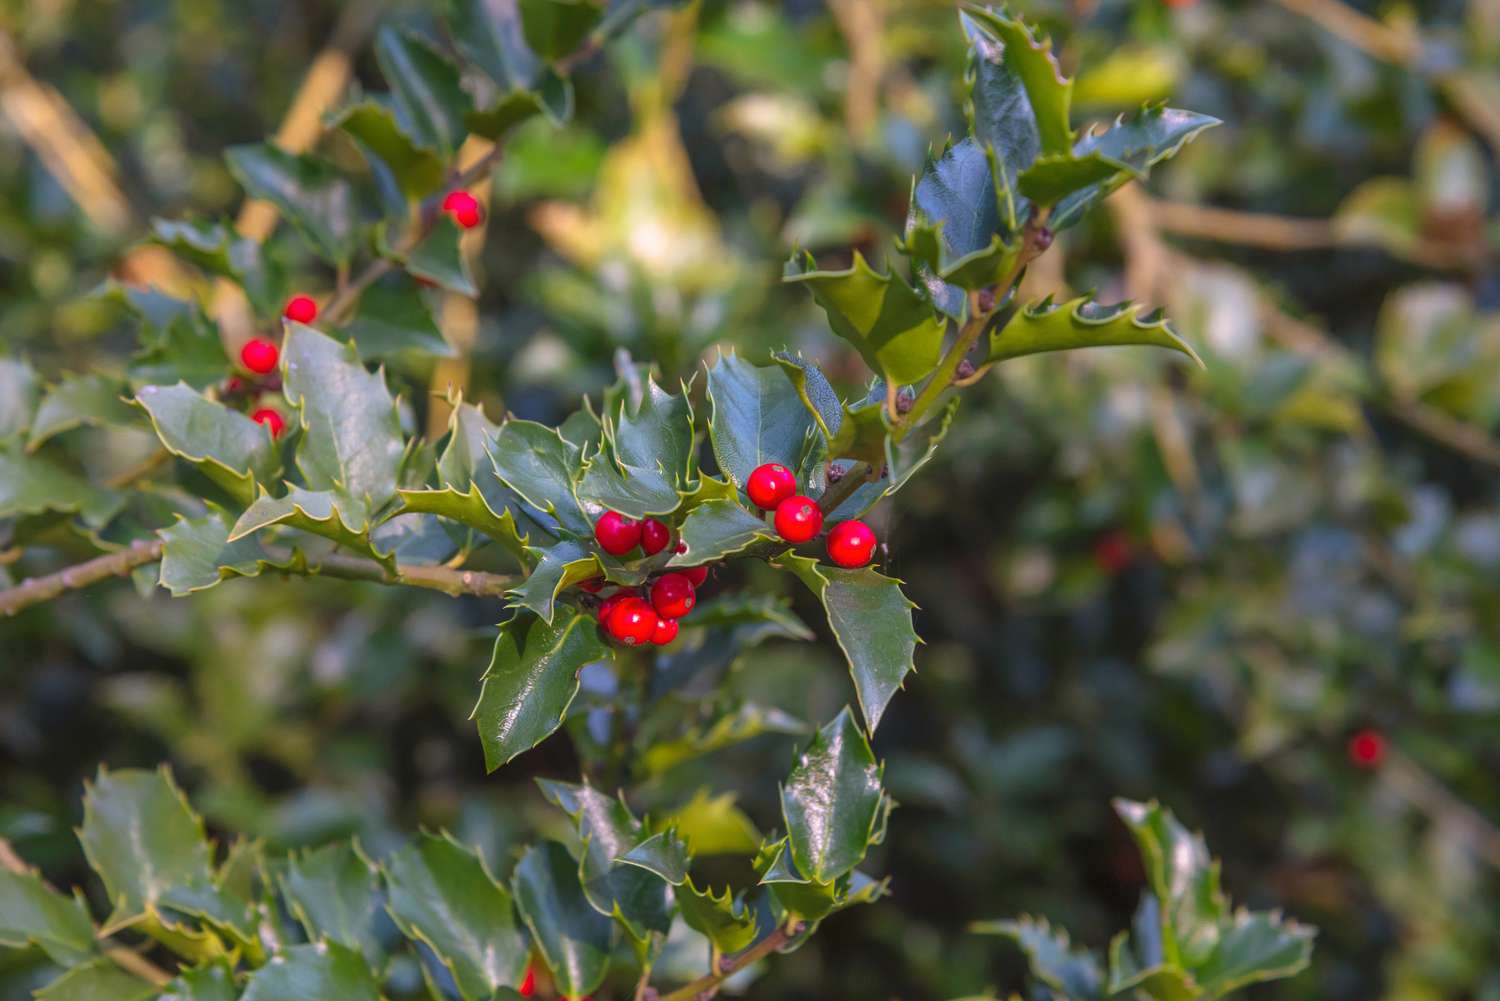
(854, 477)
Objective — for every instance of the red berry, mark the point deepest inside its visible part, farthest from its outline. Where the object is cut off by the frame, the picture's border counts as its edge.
(300, 308)
(528, 984)
(271, 419)
(695, 575)
(654, 536)
(1367, 749)
(233, 384)
(617, 534)
(1112, 552)
(672, 595)
(611, 603)
(593, 585)
(666, 632)
(259, 355)
(770, 484)
(798, 518)
(464, 208)
(632, 622)
(851, 543)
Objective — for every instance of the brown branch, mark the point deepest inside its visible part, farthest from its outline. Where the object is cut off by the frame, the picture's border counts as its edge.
(81, 575)
(1363, 32)
(706, 985)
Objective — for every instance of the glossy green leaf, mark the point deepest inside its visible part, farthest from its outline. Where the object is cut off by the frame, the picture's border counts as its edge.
(723, 920)
(1000, 117)
(333, 515)
(440, 259)
(184, 347)
(555, 28)
(574, 939)
(326, 971)
(541, 466)
(961, 226)
(531, 681)
(716, 529)
(77, 400)
(310, 194)
(205, 983)
(891, 325)
(733, 725)
(471, 509)
(442, 895)
(797, 894)
(1183, 877)
(98, 980)
(1253, 948)
(871, 619)
(197, 554)
(757, 417)
(32, 913)
(425, 88)
(34, 484)
(656, 434)
(1050, 954)
(1082, 323)
(417, 169)
(393, 319)
(557, 568)
(832, 799)
(634, 492)
(228, 447)
(813, 388)
(19, 391)
(489, 34)
(1050, 179)
(333, 894)
(1049, 92)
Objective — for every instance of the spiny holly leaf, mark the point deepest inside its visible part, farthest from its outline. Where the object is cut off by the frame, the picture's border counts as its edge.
(656, 434)
(812, 386)
(723, 920)
(1254, 947)
(470, 508)
(393, 320)
(635, 492)
(442, 895)
(32, 913)
(716, 529)
(426, 89)
(541, 466)
(205, 983)
(489, 34)
(1052, 178)
(1000, 117)
(1183, 877)
(961, 225)
(555, 28)
(797, 894)
(531, 681)
(332, 514)
(417, 170)
(197, 554)
(757, 417)
(323, 970)
(891, 325)
(77, 400)
(19, 389)
(142, 838)
(1053, 960)
(1048, 91)
(557, 568)
(333, 894)
(692, 740)
(218, 250)
(32, 484)
(832, 799)
(97, 980)
(309, 192)
(574, 939)
(228, 447)
(871, 619)
(1082, 323)
(440, 259)
(1138, 962)
(351, 435)
(184, 346)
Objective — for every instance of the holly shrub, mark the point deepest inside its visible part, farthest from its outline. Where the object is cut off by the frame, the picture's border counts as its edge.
(682, 544)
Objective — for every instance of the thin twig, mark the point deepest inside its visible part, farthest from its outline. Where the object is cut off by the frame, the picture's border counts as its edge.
(81, 575)
(706, 984)
(1413, 783)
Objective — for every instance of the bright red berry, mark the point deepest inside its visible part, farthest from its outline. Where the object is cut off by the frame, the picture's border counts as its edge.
(271, 419)
(798, 518)
(1112, 552)
(695, 575)
(301, 308)
(770, 484)
(259, 355)
(617, 534)
(1367, 749)
(666, 632)
(528, 984)
(654, 536)
(464, 208)
(632, 622)
(672, 595)
(851, 543)
(611, 603)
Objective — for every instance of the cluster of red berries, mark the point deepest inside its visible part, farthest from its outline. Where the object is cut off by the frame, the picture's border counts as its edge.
(773, 487)
(631, 616)
(463, 208)
(260, 356)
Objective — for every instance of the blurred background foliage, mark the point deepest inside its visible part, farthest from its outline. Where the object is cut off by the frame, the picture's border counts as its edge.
(1135, 578)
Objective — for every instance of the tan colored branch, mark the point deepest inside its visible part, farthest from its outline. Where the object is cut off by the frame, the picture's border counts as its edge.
(706, 985)
(34, 592)
(1366, 33)
(1418, 787)
(862, 23)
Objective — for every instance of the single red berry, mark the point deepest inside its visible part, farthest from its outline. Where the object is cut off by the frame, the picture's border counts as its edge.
(798, 518)
(464, 208)
(851, 543)
(271, 419)
(672, 595)
(654, 536)
(666, 632)
(770, 484)
(1112, 552)
(617, 534)
(232, 385)
(301, 308)
(259, 355)
(632, 622)
(528, 983)
(593, 585)
(609, 604)
(1367, 749)
(695, 575)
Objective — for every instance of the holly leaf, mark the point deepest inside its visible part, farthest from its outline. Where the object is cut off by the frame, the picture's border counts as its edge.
(716, 529)
(756, 418)
(31, 484)
(19, 390)
(813, 388)
(723, 920)
(1000, 117)
(892, 326)
(871, 619)
(1082, 323)
(1076, 973)
(797, 894)
(333, 892)
(204, 983)
(1183, 877)
(832, 799)
(310, 194)
(531, 681)
(440, 259)
(332, 514)
(184, 347)
(1254, 947)
(32, 913)
(320, 970)
(393, 319)
(573, 938)
(197, 554)
(557, 568)
(442, 895)
(1030, 57)
(555, 28)
(655, 434)
(225, 445)
(489, 34)
(416, 168)
(541, 466)
(634, 492)
(97, 980)
(426, 90)
(77, 400)
(961, 224)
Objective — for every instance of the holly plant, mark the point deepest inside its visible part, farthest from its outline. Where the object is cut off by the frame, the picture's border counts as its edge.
(602, 545)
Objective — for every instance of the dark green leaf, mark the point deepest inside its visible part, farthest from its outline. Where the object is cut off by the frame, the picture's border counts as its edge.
(558, 567)
(32, 484)
(489, 34)
(813, 388)
(634, 492)
(184, 347)
(716, 529)
(574, 939)
(309, 192)
(333, 893)
(1051, 956)
(1254, 947)
(228, 447)
(724, 921)
(656, 434)
(757, 417)
(206, 983)
(197, 554)
(1051, 178)
(19, 389)
(418, 170)
(555, 28)
(540, 465)
(442, 895)
(1048, 91)
(961, 225)
(1081, 323)
(440, 259)
(531, 681)
(77, 400)
(333, 515)
(326, 971)
(99, 980)
(426, 90)
(1000, 116)
(32, 913)
(832, 799)
(393, 319)
(796, 893)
